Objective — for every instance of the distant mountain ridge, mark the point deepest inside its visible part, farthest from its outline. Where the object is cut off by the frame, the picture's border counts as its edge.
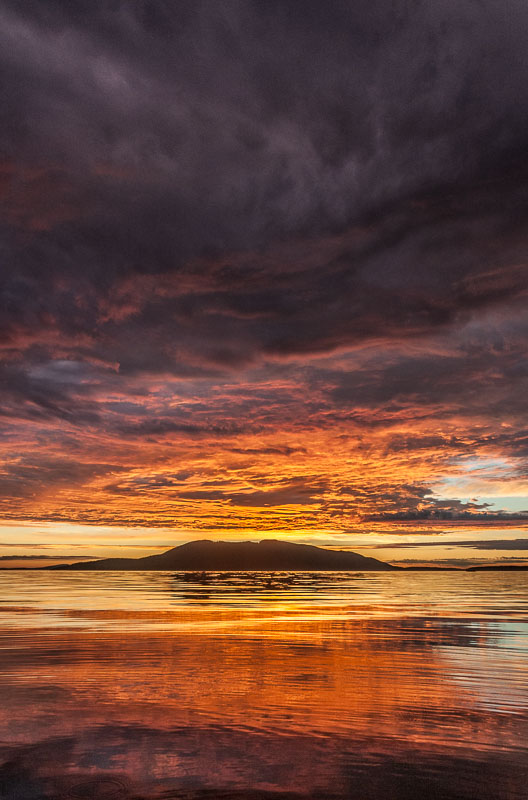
(267, 555)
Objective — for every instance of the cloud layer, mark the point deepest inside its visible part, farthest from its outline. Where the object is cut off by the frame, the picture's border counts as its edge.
(265, 265)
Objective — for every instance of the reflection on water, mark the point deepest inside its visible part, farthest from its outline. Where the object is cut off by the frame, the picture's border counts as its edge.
(173, 685)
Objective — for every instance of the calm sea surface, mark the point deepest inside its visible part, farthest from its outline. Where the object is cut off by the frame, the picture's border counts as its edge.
(173, 685)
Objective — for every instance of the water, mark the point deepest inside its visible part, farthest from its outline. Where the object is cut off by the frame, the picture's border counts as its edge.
(173, 685)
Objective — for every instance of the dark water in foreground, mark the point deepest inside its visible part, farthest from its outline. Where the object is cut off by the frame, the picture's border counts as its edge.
(163, 685)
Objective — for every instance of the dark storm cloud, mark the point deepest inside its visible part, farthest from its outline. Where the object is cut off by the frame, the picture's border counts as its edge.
(301, 491)
(144, 136)
(479, 371)
(415, 502)
(405, 503)
(204, 193)
(167, 426)
(27, 395)
(449, 510)
(30, 475)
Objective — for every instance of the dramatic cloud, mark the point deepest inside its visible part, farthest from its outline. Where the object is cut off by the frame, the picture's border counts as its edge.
(265, 264)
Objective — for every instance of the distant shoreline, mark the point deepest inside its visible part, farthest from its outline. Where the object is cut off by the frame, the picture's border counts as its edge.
(491, 568)
(269, 555)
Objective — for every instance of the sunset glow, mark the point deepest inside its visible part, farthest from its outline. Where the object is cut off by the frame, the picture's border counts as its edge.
(263, 295)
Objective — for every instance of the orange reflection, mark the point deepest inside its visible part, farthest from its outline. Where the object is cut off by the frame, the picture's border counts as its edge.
(160, 683)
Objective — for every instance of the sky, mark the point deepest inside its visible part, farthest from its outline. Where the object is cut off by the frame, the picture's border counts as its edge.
(264, 275)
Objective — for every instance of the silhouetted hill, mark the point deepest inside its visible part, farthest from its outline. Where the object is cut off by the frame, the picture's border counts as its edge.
(266, 555)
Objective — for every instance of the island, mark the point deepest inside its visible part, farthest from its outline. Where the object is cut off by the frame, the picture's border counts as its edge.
(267, 555)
